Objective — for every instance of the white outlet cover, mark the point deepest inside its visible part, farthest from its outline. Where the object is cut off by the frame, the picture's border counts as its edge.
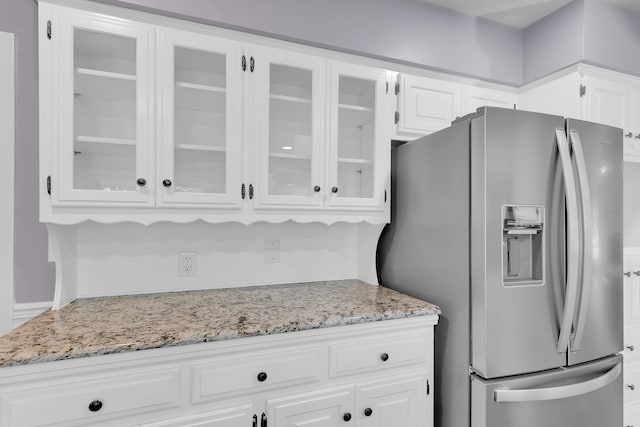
(187, 263)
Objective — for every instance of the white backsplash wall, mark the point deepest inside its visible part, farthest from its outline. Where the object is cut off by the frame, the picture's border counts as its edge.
(131, 258)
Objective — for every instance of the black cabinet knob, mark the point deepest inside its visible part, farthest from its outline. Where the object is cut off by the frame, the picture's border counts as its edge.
(166, 183)
(316, 188)
(346, 416)
(368, 412)
(262, 376)
(95, 406)
(384, 357)
(334, 189)
(141, 182)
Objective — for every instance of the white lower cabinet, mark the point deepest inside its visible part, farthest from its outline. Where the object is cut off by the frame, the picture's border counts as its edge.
(281, 380)
(238, 416)
(330, 407)
(396, 401)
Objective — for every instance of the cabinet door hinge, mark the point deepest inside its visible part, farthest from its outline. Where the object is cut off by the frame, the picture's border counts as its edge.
(385, 196)
(397, 88)
(583, 90)
(242, 191)
(263, 420)
(428, 388)
(49, 185)
(243, 63)
(49, 29)
(250, 191)
(397, 117)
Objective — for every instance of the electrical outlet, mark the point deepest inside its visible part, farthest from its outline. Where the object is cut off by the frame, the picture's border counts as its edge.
(272, 250)
(187, 262)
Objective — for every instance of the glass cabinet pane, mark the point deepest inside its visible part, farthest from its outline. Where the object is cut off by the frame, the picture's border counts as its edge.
(290, 131)
(356, 137)
(200, 117)
(104, 125)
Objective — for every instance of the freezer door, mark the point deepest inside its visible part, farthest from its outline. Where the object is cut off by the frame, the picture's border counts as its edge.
(517, 243)
(588, 395)
(598, 329)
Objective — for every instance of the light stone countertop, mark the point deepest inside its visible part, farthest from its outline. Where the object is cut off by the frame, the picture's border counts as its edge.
(106, 325)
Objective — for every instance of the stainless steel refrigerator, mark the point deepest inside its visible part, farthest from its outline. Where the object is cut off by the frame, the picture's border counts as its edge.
(511, 222)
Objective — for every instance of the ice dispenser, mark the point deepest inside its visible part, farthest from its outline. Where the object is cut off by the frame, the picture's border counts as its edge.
(522, 245)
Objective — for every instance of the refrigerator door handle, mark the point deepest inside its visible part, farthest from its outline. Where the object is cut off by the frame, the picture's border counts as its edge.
(587, 236)
(573, 241)
(560, 392)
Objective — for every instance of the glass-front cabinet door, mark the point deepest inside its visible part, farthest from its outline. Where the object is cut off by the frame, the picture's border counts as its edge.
(358, 149)
(104, 144)
(286, 128)
(199, 119)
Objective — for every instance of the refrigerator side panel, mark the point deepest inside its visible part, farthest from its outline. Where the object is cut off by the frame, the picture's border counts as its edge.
(517, 215)
(588, 395)
(603, 327)
(424, 252)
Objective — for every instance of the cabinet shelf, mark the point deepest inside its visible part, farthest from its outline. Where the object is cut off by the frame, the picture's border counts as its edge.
(200, 147)
(290, 108)
(197, 97)
(355, 115)
(289, 156)
(293, 99)
(206, 88)
(105, 85)
(101, 145)
(106, 74)
(355, 161)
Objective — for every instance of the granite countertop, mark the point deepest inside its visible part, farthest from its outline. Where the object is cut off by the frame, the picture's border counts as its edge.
(106, 325)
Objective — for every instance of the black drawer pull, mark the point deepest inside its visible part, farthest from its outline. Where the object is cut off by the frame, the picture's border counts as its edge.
(262, 376)
(346, 416)
(368, 412)
(95, 406)
(384, 357)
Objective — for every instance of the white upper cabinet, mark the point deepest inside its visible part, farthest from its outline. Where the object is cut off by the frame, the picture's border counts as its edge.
(593, 94)
(359, 143)
(609, 102)
(180, 121)
(199, 120)
(287, 135)
(616, 102)
(101, 130)
(476, 97)
(426, 105)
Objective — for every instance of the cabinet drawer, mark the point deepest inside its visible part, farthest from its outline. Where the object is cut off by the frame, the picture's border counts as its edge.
(377, 352)
(92, 399)
(631, 385)
(260, 371)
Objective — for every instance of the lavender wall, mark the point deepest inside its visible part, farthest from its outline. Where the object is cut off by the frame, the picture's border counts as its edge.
(554, 42)
(405, 31)
(33, 275)
(612, 37)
